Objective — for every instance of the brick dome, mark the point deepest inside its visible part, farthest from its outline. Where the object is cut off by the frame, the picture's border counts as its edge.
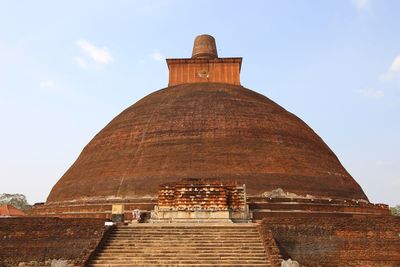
(205, 130)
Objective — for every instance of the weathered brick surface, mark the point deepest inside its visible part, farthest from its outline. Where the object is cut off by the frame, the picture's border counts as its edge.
(199, 194)
(39, 239)
(210, 131)
(337, 241)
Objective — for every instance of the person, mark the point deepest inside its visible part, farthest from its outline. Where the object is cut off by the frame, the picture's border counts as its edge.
(136, 215)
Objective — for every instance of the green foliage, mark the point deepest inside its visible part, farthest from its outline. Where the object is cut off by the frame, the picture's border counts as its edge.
(17, 200)
(395, 210)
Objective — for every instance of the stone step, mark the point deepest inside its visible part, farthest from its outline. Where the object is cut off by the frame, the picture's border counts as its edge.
(241, 233)
(180, 243)
(178, 228)
(164, 244)
(174, 261)
(185, 235)
(182, 263)
(174, 230)
(201, 251)
(171, 246)
(122, 251)
(203, 264)
(186, 241)
(143, 235)
(150, 255)
(190, 225)
(192, 249)
(177, 238)
(225, 247)
(182, 239)
(182, 254)
(186, 230)
(162, 253)
(178, 258)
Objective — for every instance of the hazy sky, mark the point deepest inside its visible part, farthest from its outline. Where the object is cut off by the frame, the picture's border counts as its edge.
(67, 68)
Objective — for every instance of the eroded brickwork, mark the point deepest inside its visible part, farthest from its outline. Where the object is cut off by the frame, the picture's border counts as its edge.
(200, 194)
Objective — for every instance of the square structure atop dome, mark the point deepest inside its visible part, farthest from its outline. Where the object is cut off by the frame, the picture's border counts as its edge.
(197, 70)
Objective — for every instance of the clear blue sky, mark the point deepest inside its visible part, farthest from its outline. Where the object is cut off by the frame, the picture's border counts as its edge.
(67, 68)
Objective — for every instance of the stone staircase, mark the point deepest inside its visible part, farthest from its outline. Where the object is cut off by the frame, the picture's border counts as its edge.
(183, 245)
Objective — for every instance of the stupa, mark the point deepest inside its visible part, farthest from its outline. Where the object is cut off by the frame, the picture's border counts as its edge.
(206, 125)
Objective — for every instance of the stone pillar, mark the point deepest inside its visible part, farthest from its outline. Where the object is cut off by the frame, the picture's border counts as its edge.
(117, 213)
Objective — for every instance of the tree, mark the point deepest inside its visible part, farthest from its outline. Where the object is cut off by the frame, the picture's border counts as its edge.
(395, 210)
(17, 200)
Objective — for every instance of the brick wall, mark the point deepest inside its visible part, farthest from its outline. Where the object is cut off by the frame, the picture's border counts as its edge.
(337, 241)
(272, 249)
(39, 239)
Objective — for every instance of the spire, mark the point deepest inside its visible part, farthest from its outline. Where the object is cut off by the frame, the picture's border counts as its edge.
(204, 65)
(204, 47)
